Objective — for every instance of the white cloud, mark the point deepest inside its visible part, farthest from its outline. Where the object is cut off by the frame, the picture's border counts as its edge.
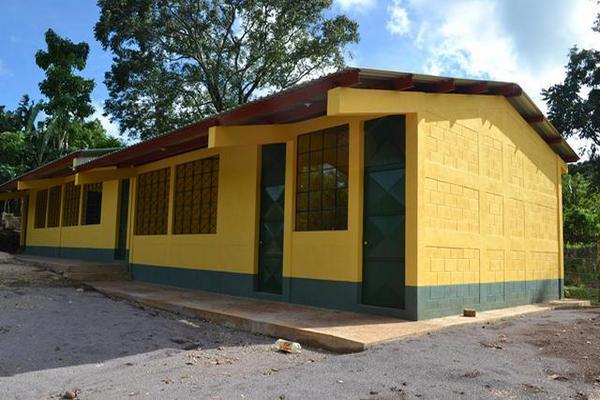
(355, 5)
(398, 22)
(508, 40)
(112, 128)
(526, 42)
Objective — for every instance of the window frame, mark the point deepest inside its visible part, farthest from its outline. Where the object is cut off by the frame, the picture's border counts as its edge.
(195, 197)
(152, 202)
(322, 176)
(85, 215)
(71, 204)
(41, 207)
(53, 218)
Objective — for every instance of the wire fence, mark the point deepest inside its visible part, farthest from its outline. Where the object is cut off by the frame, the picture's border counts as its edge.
(582, 271)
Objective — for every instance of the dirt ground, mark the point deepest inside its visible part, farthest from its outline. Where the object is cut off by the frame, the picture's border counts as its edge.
(54, 337)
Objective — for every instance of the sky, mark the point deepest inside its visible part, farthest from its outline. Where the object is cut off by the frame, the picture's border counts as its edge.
(522, 41)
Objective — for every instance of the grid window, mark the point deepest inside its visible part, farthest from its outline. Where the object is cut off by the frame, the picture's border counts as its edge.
(70, 215)
(92, 203)
(196, 191)
(152, 202)
(41, 207)
(322, 180)
(54, 198)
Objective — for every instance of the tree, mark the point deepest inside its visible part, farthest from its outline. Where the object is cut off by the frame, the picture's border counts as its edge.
(176, 61)
(68, 95)
(25, 141)
(581, 209)
(574, 104)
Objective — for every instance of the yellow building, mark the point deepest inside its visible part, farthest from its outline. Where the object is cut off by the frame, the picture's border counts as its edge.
(371, 191)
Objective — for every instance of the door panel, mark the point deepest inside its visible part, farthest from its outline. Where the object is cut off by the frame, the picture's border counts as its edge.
(384, 213)
(272, 197)
(121, 250)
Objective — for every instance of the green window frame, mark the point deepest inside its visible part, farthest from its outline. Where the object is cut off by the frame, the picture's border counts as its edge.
(72, 197)
(152, 202)
(92, 204)
(41, 209)
(196, 197)
(322, 180)
(54, 203)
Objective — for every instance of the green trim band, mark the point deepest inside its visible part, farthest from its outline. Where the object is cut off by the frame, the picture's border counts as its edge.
(439, 301)
(78, 253)
(421, 302)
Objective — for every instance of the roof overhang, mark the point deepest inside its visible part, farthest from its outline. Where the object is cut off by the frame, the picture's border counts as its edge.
(302, 102)
(309, 100)
(61, 167)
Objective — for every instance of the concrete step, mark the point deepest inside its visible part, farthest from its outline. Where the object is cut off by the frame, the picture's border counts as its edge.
(79, 269)
(570, 304)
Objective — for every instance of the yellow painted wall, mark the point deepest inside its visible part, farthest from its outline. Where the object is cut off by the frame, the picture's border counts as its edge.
(100, 236)
(231, 249)
(333, 255)
(488, 187)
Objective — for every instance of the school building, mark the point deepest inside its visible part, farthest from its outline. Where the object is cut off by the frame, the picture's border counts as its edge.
(371, 191)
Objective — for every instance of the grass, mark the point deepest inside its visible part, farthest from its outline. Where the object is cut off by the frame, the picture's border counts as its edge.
(583, 293)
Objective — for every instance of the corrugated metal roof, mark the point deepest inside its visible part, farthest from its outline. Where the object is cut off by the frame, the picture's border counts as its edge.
(56, 168)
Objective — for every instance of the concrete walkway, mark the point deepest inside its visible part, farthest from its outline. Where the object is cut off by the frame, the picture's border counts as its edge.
(338, 331)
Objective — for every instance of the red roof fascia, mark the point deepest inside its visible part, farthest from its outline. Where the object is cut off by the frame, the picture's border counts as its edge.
(404, 83)
(170, 151)
(534, 119)
(51, 166)
(291, 98)
(476, 88)
(185, 134)
(305, 111)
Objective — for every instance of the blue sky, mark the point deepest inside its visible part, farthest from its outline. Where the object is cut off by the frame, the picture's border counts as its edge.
(525, 41)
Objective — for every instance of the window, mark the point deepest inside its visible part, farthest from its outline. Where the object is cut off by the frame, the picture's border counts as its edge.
(41, 206)
(92, 203)
(195, 206)
(54, 198)
(152, 202)
(322, 180)
(70, 215)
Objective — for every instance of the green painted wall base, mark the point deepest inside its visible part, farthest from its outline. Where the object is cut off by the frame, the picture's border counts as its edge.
(88, 254)
(421, 302)
(438, 301)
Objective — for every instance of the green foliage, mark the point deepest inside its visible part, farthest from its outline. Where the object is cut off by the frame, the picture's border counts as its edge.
(581, 209)
(574, 104)
(177, 61)
(25, 142)
(12, 155)
(68, 94)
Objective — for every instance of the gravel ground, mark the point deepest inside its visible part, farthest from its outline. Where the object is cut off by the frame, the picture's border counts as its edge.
(55, 338)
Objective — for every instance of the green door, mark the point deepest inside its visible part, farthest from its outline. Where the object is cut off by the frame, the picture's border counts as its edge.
(121, 250)
(383, 226)
(272, 195)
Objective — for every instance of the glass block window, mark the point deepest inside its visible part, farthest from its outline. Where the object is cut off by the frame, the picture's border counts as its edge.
(322, 180)
(41, 207)
(72, 195)
(152, 202)
(54, 199)
(92, 203)
(196, 188)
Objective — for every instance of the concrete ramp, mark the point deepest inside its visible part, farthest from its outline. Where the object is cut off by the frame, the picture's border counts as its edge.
(338, 331)
(79, 270)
